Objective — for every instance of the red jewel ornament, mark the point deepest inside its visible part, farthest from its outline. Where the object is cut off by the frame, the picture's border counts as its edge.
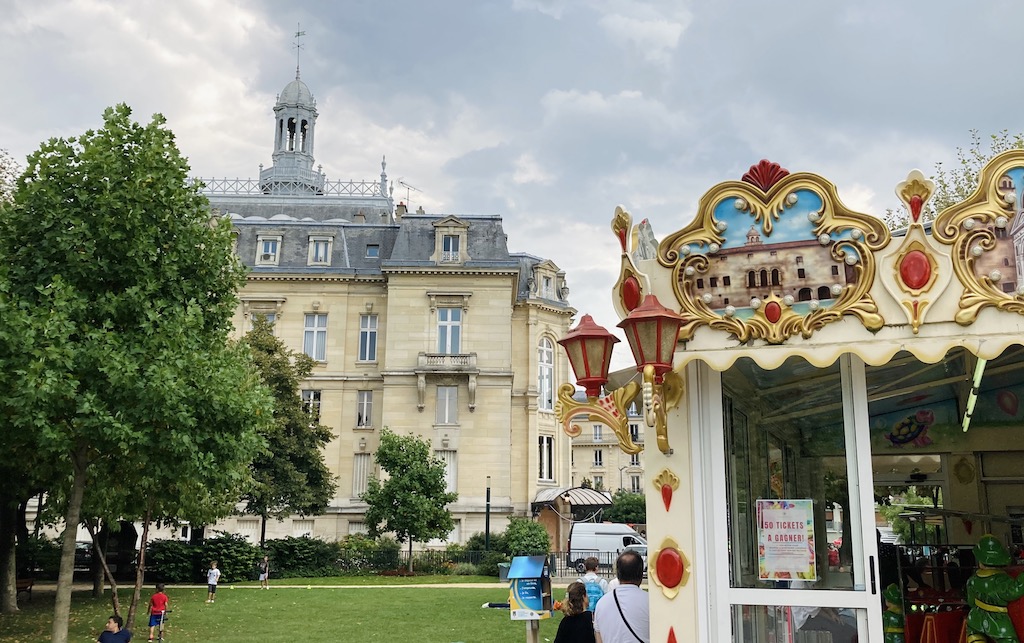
(670, 567)
(671, 635)
(915, 269)
(631, 294)
(666, 495)
(773, 312)
(915, 206)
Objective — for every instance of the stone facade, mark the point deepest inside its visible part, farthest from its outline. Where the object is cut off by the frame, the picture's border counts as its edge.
(424, 323)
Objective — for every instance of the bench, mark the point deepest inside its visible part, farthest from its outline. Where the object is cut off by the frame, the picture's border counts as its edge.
(25, 585)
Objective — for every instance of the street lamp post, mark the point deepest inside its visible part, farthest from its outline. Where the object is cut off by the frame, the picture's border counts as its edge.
(487, 518)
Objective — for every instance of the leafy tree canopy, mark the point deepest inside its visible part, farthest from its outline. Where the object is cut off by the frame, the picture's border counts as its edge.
(142, 388)
(412, 502)
(627, 507)
(290, 476)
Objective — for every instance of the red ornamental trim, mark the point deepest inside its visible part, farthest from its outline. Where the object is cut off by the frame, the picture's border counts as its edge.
(915, 206)
(670, 567)
(773, 312)
(631, 293)
(666, 495)
(765, 174)
(915, 270)
(672, 630)
(621, 234)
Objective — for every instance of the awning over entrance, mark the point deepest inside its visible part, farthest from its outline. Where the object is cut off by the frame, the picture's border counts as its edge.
(576, 497)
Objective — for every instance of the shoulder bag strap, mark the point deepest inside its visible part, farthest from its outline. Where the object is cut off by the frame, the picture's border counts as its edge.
(624, 621)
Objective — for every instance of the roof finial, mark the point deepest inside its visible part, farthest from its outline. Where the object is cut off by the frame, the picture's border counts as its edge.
(298, 46)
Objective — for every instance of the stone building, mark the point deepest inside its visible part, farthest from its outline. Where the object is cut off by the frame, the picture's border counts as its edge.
(424, 323)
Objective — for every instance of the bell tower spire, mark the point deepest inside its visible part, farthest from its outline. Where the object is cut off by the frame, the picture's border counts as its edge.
(294, 134)
(299, 33)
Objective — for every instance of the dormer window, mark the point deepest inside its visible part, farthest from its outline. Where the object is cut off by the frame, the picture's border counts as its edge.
(450, 248)
(450, 241)
(547, 289)
(320, 251)
(267, 250)
(372, 251)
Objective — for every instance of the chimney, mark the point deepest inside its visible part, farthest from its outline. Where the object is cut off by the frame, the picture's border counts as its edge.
(400, 210)
(419, 210)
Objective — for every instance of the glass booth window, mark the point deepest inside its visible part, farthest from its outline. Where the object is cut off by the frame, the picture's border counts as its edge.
(786, 476)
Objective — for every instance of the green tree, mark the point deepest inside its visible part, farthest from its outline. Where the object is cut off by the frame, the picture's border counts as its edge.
(412, 502)
(143, 385)
(627, 507)
(954, 184)
(290, 476)
(524, 537)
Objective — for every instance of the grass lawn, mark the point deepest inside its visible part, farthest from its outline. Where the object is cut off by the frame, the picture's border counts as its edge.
(383, 613)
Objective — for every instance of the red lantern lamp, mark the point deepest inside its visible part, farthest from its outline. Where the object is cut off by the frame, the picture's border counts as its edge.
(652, 331)
(589, 348)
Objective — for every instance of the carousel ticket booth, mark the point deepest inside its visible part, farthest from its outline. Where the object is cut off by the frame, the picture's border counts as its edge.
(798, 364)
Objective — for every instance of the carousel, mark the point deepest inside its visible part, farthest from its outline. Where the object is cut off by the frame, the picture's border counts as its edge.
(835, 411)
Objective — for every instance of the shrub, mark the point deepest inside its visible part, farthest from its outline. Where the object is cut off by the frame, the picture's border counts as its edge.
(236, 557)
(476, 542)
(38, 556)
(489, 564)
(465, 569)
(171, 561)
(302, 557)
(524, 537)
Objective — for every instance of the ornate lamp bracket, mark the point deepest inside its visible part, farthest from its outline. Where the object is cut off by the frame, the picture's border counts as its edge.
(610, 409)
(658, 400)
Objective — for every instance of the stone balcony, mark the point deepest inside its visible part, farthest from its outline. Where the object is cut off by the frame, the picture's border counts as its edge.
(446, 364)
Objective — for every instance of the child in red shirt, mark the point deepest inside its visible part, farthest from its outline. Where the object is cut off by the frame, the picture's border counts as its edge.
(157, 610)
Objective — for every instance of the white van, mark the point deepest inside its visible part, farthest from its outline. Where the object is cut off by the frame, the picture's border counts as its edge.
(603, 540)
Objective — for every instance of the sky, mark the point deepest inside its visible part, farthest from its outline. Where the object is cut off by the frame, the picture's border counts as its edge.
(549, 113)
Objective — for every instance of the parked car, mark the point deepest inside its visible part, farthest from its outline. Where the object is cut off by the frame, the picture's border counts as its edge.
(83, 554)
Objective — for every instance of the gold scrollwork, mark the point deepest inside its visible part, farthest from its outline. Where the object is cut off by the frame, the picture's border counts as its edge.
(610, 409)
(966, 226)
(685, 252)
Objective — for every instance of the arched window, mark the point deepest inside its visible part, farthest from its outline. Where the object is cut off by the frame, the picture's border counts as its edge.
(751, 279)
(776, 279)
(764, 277)
(804, 294)
(545, 375)
(824, 292)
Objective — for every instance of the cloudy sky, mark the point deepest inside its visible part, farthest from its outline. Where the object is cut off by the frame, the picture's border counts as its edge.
(547, 112)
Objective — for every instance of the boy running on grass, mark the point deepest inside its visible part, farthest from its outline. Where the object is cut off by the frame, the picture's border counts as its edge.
(212, 576)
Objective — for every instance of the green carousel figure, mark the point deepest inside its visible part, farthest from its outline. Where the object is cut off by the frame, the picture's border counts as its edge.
(892, 617)
(989, 591)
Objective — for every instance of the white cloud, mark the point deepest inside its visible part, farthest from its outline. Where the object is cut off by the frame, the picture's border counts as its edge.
(527, 170)
(654, 40)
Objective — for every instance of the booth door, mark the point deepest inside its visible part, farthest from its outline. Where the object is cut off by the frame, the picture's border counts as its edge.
(790, 486)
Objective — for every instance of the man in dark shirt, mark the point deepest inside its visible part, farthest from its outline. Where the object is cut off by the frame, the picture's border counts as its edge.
(113, 633)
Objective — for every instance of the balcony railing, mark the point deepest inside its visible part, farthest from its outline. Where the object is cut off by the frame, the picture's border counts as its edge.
(458, 362)
(273, 183)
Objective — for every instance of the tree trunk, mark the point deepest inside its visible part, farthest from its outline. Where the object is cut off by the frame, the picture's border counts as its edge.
(100, 554)
(65, 579)
(263, 531)
(8, 563)
(140, 572)
(410, 554)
